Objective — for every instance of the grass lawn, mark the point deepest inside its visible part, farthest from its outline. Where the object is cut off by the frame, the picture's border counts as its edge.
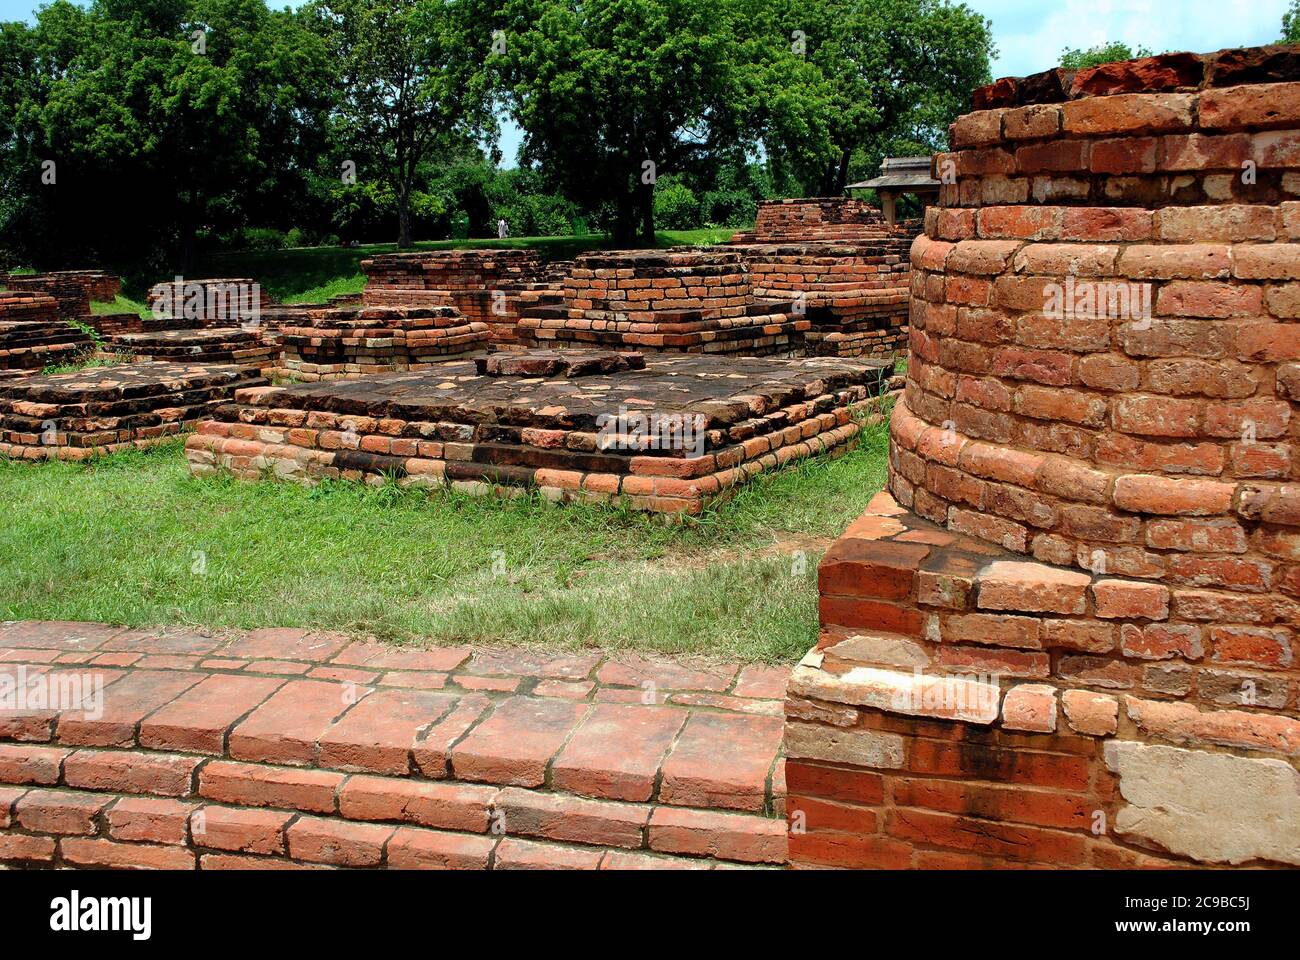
(311, 274)
(134, 539)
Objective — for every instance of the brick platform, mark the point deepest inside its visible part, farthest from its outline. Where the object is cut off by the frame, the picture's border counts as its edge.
(493, 287)
(682, 301)
(345, 342)
(855, 295)
(1089, 657)
(72, 416)
(813, 219)
(228, 345)
(71, 295)
(210, 301)
(32, 336)
(282, 748)
(665, 437)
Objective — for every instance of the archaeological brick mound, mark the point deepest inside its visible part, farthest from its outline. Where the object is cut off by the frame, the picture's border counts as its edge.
(492, 287)
(73, 290)
(813, 219)
(662, 435)
(682, 300)
(343, 342)
(74, 416)
(1095, 496)
(31, 334)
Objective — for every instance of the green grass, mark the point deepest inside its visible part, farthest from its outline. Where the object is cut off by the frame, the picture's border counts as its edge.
(121, 305)
(313, 274)
(134, 539)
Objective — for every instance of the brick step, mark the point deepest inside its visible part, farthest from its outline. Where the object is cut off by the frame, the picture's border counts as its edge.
(142, 809)
(357, 754)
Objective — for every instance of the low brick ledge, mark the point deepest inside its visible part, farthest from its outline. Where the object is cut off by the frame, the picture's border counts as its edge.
(284, 748)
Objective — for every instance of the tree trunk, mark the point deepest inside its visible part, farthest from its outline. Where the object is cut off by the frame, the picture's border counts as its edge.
(404, 241)
(842, 176)
(646, 201)
(624, 235)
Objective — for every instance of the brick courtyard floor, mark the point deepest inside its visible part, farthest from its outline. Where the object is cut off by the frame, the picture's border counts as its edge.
(283, 747)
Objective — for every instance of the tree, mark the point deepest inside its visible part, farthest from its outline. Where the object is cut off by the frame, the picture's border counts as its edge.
(412, 84)
(890, 71)
(1291, 24)
(612, 93)
(142, 123)
(1112, 52)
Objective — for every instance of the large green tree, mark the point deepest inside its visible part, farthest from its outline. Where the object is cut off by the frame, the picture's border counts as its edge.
(612, 93)
(143, 123)
(890, 73)
(411, 86)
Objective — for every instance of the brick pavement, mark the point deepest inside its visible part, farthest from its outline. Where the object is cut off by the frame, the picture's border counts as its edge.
(280, 748)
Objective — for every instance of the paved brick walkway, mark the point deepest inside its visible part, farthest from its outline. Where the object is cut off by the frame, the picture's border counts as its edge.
(282, 747)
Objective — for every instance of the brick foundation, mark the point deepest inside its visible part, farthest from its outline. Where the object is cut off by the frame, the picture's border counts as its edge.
(551, 423)
(1072, 639)
(854, 295)
(228, 345)
(32, 336)
(680, 301)
(344, 342)
(492, 287)
(74, 416)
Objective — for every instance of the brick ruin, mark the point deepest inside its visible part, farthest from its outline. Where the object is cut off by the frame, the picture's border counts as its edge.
(73, 290)
(662, 433)
(233, 345)
(74, 416)
(32, 336)
(812, 219)
(681, 300)
(847, 267)
(344, 342)
(492, 287)
(1067, 635)
(854, 296)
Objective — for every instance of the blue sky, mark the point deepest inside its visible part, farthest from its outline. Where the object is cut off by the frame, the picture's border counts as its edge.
(1030, 34)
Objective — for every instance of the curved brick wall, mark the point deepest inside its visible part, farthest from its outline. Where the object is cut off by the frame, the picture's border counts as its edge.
(1155, 437)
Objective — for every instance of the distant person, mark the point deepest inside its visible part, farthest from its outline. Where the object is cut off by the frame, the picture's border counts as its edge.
(503, 229)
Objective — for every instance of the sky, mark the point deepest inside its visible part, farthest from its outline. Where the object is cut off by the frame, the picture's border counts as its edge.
(1030, 34)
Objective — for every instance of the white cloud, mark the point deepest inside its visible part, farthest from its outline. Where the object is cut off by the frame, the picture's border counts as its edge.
(1030, 36)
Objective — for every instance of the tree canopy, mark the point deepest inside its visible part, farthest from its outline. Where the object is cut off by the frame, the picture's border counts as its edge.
(140, 130)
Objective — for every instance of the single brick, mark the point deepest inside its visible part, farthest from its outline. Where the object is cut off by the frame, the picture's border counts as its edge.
(254, 785)
(727, 836)
(552, 816)
(166, 775)
(1130, 600)
(149, 819)
(239, 829)
(1030, 706)
(198, 720)
(1093, 714)
(616, 752)
(414, 849)
(60, 811)
(516, 743)
(451, 806)
(340, 842)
